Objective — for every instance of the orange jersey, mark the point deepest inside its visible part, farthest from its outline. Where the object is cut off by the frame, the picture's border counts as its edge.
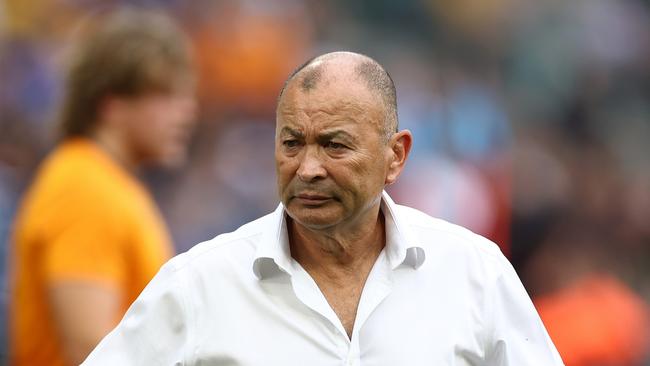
(85, 218)
(596, 321)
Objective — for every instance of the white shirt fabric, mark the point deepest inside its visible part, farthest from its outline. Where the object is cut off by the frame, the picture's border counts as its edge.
(437, 295)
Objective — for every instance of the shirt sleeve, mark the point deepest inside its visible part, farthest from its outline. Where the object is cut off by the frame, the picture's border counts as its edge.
(86, 244)
(518, 336)
(154, 330)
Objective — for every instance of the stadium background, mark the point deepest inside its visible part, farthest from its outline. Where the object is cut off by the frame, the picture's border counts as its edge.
(531, 122)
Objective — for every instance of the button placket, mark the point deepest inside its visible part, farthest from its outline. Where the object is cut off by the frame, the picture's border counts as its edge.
(353, 352)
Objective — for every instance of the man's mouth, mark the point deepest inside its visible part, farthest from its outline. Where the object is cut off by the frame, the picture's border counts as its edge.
(310, 199)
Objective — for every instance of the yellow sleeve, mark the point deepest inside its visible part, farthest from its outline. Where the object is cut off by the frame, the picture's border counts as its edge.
(86, 242)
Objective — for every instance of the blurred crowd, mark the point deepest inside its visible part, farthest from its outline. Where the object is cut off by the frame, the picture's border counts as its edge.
(531, 122)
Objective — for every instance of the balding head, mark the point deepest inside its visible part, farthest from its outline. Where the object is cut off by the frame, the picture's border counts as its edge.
(350, 66)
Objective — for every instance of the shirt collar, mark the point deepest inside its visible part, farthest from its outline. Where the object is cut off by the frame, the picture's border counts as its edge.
(273, 254)
(401, 244)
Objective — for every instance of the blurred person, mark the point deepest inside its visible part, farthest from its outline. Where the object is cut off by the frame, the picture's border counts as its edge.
(244, 49)
(339, 273)
(593, 317)
(88, 235)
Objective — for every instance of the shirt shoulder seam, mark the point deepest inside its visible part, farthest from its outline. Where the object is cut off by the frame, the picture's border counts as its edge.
(214, 244)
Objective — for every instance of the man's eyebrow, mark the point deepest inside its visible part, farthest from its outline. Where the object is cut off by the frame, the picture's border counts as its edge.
(325, 136)
(290, 131)
(328, 135)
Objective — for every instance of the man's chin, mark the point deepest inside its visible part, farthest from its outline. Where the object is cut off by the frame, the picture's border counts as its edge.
(312, 219)
(168, 162)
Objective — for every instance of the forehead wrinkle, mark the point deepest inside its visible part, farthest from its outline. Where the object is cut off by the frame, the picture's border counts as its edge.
(336, 108)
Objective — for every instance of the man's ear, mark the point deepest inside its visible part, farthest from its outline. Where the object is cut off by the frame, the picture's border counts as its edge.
(400, 146)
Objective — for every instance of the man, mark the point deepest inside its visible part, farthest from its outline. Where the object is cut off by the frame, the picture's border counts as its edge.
(88, 236)
(338, 274)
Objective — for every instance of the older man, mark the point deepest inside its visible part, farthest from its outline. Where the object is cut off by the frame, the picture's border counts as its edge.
(338, 274)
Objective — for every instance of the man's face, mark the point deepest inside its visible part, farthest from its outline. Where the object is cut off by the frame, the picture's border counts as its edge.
(159, 126)
(331, 157)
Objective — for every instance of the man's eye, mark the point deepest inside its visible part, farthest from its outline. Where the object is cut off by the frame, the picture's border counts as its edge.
(334, 145)
(290, 143)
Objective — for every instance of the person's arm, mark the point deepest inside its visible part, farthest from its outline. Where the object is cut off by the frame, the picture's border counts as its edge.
(156, 329)
(83, 313)
(516, 333)
(84, 266)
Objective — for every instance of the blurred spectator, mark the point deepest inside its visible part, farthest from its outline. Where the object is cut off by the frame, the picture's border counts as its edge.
(244, 51)
(592, 316)
(88, 236)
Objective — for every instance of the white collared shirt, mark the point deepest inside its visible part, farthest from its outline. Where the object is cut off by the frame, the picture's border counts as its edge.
(437, 295)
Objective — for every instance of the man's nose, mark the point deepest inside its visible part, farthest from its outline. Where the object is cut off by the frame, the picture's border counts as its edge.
(311, 165)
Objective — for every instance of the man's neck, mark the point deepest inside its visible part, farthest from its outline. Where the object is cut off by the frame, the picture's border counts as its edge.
(338, 253)
(114, 146)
